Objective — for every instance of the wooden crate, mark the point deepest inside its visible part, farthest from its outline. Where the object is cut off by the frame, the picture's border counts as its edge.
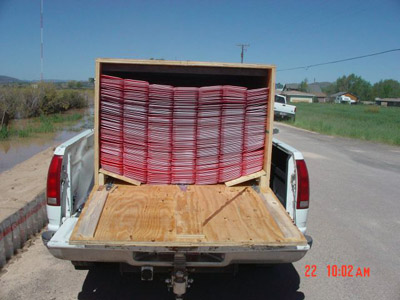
(189, 73)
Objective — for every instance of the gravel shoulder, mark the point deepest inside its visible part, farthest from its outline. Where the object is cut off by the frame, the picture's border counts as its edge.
(22, 183)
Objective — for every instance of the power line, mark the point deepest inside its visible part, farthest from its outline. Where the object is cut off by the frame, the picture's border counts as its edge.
(338, 61)
(244, 48)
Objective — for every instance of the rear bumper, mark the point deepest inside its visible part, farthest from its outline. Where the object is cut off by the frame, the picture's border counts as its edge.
(59, 247)
(284, 114)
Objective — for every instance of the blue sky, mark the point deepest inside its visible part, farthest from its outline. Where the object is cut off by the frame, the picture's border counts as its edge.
(284, 33)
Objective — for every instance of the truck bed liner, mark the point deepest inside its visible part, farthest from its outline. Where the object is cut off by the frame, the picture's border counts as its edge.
(195, 215)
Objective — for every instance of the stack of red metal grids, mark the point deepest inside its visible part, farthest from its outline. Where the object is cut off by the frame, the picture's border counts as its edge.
(184, 135)
(254, 132)
(208, 134)
(136, 102)
(232, 132)
(111, 122)
(159, 154)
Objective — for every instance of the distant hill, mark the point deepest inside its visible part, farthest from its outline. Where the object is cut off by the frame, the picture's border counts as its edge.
(317, 87)
(313, 87)
(52, 80)
(8, 79)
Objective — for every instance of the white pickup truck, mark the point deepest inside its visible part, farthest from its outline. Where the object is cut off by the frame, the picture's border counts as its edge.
(70, 180)
(342, 99)
(283, 110)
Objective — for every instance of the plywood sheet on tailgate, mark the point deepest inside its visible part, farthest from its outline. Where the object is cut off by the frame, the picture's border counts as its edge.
(171, 215)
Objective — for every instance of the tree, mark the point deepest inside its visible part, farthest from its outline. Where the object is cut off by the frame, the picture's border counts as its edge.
(388, 88)
(279, 85)
(330, 89)
(71, 84)
(353, 84)
(303, 87)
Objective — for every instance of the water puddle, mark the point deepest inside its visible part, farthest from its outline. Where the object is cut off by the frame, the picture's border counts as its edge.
(16, 150)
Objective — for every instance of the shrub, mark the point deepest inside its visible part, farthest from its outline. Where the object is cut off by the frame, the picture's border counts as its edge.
(372, 109)
(50, 101)
(29, 105)
(75, 99)
(4, 133)
(9, 98)
(38, 99)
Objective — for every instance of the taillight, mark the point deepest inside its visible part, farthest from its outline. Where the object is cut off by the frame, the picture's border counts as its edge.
(53, 181)
(303, 186)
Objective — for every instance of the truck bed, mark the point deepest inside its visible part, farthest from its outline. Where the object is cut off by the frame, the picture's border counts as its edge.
(181, 216)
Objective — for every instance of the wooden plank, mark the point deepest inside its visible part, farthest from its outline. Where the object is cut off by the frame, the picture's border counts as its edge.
(93, 212)
(245, 178)
(120, 177)
(183, 63)
(280, 216)
(264, 180)
(96, 125)
(101, 179)
(209, 215)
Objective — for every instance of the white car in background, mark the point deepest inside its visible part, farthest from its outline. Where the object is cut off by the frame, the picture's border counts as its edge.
(345, 100)
(282, 110)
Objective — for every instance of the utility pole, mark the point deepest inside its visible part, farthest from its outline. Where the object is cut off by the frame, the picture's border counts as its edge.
(41, 40)
(244, 48)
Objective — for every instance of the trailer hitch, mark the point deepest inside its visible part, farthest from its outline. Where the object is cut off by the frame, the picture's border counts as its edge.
(179, 281)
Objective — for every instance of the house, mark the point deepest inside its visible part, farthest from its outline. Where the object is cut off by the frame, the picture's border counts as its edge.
(344, 97)
(320, 97)
(291, 87)
(388, 101)
(297, 96)
(315, 89)
(293, 94)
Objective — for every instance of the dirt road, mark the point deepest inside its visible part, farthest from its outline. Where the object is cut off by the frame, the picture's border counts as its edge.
(19, 184)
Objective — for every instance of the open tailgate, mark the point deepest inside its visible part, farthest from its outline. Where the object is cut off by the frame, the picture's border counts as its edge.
(185, 216)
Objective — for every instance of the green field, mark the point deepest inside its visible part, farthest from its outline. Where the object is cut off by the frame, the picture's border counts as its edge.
(365, 122)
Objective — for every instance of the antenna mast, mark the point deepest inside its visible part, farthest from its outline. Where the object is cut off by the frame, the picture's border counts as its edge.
(41, 40)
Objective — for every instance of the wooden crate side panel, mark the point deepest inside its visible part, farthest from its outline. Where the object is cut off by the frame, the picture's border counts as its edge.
(97, 176)
(264, 180)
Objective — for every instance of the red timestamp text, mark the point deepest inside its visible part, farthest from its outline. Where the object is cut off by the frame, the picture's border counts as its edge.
(347, 271)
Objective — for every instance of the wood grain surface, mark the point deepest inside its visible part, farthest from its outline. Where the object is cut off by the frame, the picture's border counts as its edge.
(170, 215)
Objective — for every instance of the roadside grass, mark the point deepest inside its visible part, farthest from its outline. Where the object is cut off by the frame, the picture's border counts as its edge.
(43, 124)
(371, 123)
